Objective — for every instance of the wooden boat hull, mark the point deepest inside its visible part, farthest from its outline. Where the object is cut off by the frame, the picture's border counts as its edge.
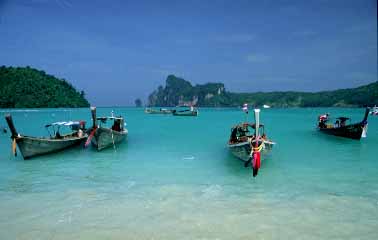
(186, 113)
(243, 150)
(105, 137)
(158, 112)
(32, 146)
(353, 131)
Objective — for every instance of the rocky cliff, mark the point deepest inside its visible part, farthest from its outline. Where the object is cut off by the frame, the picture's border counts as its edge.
(181, 92)
(178, 91)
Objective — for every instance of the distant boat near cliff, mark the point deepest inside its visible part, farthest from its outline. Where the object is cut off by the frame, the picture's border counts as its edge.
(160, 111)
(191, 112)
(266, 106)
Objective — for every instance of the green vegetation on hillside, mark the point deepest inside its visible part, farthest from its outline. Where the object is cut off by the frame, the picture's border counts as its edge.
(179, 91)
(25, 87)
(353, 97)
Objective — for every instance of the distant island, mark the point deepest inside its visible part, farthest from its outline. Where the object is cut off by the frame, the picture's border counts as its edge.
(178, 91)
(138, 102)
(25, 87)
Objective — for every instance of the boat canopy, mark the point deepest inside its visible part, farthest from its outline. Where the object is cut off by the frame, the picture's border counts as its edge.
(184, 106)
(116, 120)
(54, 128)
(69, 123)
(111, 118)
(252, 125)
(244, 128)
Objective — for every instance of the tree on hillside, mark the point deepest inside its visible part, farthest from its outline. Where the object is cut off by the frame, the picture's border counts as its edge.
(25, 87)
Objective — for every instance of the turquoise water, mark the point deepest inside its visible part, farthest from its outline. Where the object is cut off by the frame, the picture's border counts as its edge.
(175, 179)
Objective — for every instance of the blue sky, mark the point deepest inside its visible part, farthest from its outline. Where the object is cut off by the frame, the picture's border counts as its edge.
(117, 51)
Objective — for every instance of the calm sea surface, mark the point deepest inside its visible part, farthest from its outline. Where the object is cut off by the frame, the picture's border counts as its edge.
(175, 179)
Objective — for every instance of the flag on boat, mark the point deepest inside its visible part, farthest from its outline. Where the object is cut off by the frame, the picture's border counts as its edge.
(323, 117)
(245, 108)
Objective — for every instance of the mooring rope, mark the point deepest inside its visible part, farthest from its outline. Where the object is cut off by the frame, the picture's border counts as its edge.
(113, 142)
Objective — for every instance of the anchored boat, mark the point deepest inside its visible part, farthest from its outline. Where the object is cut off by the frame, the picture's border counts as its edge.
(160, 111)
(35, 146)
(192, 112)
(103, 136)
(342, 127)
(248, 140)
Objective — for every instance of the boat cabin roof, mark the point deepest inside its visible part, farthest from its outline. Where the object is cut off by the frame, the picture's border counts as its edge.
(343, 118)
(106, 118)
(253, 125)
(69, 123)
(184, 106)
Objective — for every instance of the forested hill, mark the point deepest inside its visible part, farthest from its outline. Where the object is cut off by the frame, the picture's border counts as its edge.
(25, 87)
(181, 92)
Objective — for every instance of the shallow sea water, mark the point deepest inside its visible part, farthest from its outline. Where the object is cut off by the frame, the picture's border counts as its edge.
(175, 179)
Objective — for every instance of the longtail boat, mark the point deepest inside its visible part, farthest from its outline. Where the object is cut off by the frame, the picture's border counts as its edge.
(160, 111)
(103, 136)
(192, 112)
(343, 127)
(248, 140)
(35, 146)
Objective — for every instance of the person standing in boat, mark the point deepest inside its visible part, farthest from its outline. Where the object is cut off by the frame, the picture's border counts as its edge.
(57, 135)
(322, 120)
(117, 125)
(343, 122)
(80, 133)
(337, 124)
